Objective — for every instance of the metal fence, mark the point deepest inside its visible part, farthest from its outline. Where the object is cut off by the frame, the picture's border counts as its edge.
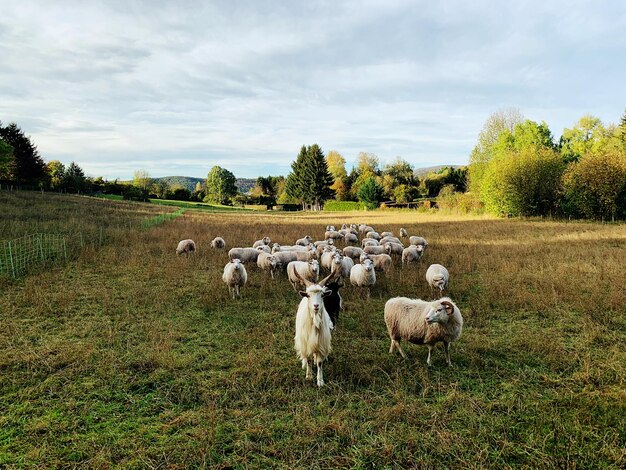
(21, 254)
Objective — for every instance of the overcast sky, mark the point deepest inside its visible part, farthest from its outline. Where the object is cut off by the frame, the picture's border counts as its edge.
(177, 87)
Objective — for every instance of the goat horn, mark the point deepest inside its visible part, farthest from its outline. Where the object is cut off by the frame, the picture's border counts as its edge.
(323, 282)
(305, 281)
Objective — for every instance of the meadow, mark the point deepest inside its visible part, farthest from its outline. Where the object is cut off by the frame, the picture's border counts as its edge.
(129, 356)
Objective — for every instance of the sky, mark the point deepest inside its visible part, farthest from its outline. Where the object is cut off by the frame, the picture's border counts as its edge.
(175, 88)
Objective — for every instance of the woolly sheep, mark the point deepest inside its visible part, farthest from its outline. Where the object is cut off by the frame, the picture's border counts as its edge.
(186, 246)
(304, 241)
(276, 248)
(306, 255)
(382, 262)
(307, 270)
(261, 242)
(352, 252)
(373, 235)
(327, 258)
(235, 276)
(421, 322)
(245, 255)
(330, 228)
(384, 240)
(369, 242)
(396, 248)
(403, 233)
(363, 275)
(267, 262)
(386, 234)
(350, 238)
(377, 250)
(313, 327)
(346, 266)
(437, 277)
(283, 258)
(414, 240)
(412, 253)
(365, 228)
(218, 243)
(331, 234)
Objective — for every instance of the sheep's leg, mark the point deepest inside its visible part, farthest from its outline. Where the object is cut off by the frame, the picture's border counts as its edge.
(230, 291)
(392, 347)
(446, 346)
(430, 348)
(397, 344)
(237, 291)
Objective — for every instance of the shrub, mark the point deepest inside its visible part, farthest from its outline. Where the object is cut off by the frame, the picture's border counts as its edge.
(343, 206)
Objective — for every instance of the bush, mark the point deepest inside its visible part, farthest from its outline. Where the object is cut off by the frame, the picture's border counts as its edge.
(343, 206)
(451, 201)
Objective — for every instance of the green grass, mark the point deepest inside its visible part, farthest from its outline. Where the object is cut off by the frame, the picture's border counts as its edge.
(197, 205)
(133, 357)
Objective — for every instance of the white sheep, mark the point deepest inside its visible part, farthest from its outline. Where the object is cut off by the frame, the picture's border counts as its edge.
(186, 246)
(308, 270)
(377, 250)
(352, 252)
(415, 240)
(326, 259)
(332, 234)
(261, 242)
(218, 243)
(350, 239)
(396, 248)
(313, 327)
(412, 253)
(388, 239)
(363, 275)
(369, 242)
(346, 265)
(382, 262)
(365, 228)
(235, 276)
(437, 277)
(267, 262)
(403, 233)
(373, 235)
(304, 241)
(386, 234)
(245, 255)
(283, 258)
(421, 322)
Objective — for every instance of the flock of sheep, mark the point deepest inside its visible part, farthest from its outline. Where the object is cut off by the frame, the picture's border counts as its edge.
(414, 320)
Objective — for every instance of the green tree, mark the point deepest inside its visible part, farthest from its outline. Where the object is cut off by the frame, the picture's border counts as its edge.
(7, 161)
(74, 178)
(595, 185)
(587, 135)
(399, 173)
(220, 186)
(367, 166)
(310, 181)
(56, 170)
(405, 193)
(29, 166)
(142, 180)
(337, 167)
(500, 121)
(523, 182)
(370, 193)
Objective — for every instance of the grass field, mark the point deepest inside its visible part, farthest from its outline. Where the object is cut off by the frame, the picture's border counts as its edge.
(130, 356)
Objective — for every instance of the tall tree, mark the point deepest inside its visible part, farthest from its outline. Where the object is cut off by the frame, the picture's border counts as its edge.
(310, 181)
(29, 166)
(500, 121)
(142, 179)
(74, 178)
(587, 135)
(370, 193)
(220, 186)
(337, 167)
(56, 171)
(367, 166)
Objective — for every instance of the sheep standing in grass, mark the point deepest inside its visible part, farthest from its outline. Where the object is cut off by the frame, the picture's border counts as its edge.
(415, 240)
(352, 252)
(421, 322)
(412, 253)
(245, 255)
(437, 277)
(387, 234)
(363, 275)
(235, 277)
(218, 243)
(262, 241)
(396, 248)
(186, 246)
(304, 241)
(377, 250)
(350, 239)
(313, 327)
(267, 262)
(403, 233)
(307, 270)
(382, 262)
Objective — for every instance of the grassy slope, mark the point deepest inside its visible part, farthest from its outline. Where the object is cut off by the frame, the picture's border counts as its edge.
(131, 356)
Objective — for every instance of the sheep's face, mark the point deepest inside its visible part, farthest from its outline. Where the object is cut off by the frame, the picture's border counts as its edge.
(439, 313)
(439, 282)
(236, 264)
(314, 266)
(272, 261)
(367, 265)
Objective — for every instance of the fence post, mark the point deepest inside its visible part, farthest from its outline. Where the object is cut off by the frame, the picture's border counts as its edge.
(11, 258)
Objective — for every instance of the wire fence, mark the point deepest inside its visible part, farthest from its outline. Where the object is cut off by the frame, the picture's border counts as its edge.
(20, 254)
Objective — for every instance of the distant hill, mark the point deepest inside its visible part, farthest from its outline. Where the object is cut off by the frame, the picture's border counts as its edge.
(243, 184)
(421, 172)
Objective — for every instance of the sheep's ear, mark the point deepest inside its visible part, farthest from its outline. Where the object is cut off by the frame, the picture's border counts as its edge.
(303, 293)
(449, 307)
